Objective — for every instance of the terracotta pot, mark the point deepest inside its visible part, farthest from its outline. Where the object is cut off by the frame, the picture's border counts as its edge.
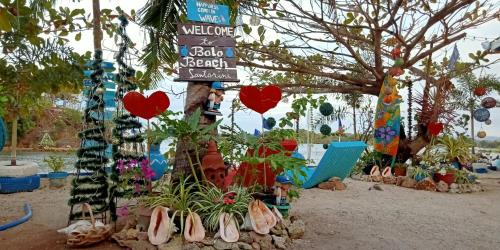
(399, 171)
(449, 177)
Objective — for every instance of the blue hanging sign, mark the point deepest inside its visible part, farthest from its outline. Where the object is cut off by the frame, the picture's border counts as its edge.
(207, 12)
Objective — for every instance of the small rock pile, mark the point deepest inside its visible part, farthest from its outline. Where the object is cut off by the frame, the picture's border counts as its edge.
(281, 237)
(333, 183)
(427, 184)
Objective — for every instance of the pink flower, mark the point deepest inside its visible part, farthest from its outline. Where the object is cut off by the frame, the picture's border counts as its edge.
(228, 201)
(137, 188)
(122, 211)
(120, 166)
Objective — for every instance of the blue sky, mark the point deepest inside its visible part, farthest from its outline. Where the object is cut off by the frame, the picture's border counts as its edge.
(250, 120)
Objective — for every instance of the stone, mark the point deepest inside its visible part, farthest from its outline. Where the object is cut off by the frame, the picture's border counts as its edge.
(132, 234)
(376, 178)
(442, 186)
(245, 237)
(219, 244)
(366, 178)
(190, 246)
(339, 185)
(399, 180)
(279, 242)
(426, 184)
(142, 235)
(174, 244)
(265, 241)
(376, 187)
(244, 246)
(138, 245)
(454, 186)
(409, 182)
(327, 185)
(297, 229)
(357, 177)
(391, 180)
(255, 246)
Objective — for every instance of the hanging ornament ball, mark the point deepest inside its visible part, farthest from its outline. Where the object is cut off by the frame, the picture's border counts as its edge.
(254, 20)
(325, 146)
(480, 91)
(481, 115)
(325, 129)
(326, 109)
(487, 122)
(99, 91)
(271, 122)
(399, 62)
(488, 102)
(481, 134)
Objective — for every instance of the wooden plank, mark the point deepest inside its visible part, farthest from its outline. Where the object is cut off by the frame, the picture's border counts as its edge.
(207, 41)
(207, 75)
(206, 62)
(201, 51)
(207, 12)
(204, 29)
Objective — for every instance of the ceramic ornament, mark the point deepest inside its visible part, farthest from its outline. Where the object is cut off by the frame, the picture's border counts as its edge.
(488, 102)
(487, 122)
(481, 114)
(260, 100)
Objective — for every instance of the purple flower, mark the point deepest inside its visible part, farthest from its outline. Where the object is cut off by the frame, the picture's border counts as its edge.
(147, 172)
(120, 166)
(144, 162)
(385, 133)
(137, 188)
(133, 163)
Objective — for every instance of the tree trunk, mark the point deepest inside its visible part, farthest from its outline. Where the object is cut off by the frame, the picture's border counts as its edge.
(96, 10)
(196, 97)
(13, 144)
(354, 121)
(472, 135)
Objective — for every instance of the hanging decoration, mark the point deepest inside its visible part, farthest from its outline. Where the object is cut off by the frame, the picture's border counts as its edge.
(93, 187)
(488, 102)
(410, 108)
(388, 118)
(268, 123)
(146, 107)
(325, 130)
(128, 149)
(434, 128)
(215, 99)
(487, 122)
(480, 91)
(481, 114)
(260, 100)
(326, 109)
(481, 134)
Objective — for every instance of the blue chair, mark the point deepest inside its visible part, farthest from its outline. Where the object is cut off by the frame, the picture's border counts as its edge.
(338, 161)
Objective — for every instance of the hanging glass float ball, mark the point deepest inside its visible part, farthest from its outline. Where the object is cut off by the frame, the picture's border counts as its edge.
(481, 115)
(481, 134)
(480, 91)
(325, 129)
(326, 109)
(325, 146)
(487, 122)
(399, 62)
(271, 122)
(488, 102)
(254, 20)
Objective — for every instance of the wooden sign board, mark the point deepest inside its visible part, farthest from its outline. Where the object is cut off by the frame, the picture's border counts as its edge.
(207, 62)
(200, 51)
(201, 11)
(207, 41)
(207, 75)
(204, 29)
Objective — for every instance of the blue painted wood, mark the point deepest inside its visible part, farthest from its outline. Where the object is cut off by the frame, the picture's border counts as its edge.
(207, 12)
(3, 133)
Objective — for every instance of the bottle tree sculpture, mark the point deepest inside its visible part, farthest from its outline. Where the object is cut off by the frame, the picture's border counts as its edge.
(127, 135)
(92, 188)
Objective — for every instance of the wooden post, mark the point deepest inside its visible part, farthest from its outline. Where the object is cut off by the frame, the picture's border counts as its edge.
(96, 10)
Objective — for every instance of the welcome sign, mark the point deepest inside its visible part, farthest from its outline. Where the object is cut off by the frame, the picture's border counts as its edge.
(206, 53)
(207, 12)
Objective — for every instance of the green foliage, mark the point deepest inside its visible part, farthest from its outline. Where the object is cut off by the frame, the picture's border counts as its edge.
(451, 149)
(419, 172)
(325, 130)
(56, 163)
(462, 177)
(211, 202)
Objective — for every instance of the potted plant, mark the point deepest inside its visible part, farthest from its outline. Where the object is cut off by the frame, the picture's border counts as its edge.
(419, 173)
(400, 169)
(446, 174)
(57, 178)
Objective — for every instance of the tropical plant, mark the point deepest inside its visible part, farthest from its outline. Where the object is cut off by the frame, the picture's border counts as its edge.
(451, 148)
(211, 202)
(55, 163)
(462, 177)
(179, 197)
(419, 173)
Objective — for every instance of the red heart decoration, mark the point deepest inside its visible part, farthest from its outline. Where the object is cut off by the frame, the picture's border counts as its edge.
(435, 128)
(260, 100)
(146, 107)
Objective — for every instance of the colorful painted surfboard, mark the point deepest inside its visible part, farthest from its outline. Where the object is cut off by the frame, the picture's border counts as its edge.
(388, 118)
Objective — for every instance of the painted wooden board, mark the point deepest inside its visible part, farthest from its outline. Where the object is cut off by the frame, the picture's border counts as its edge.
(210, 75)
(201, 51)
(207, 12)
(388, 118)
(204, 29)
(207, 62)
(207, 41)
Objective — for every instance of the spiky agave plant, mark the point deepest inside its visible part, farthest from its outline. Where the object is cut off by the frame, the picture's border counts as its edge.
(211, 202)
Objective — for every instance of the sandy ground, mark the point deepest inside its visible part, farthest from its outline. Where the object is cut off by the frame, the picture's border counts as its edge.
(395, 218)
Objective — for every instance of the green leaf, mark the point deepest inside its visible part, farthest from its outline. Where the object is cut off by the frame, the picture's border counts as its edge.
(78, 36)
(280, 14)
(247, 29)
(4, 20)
